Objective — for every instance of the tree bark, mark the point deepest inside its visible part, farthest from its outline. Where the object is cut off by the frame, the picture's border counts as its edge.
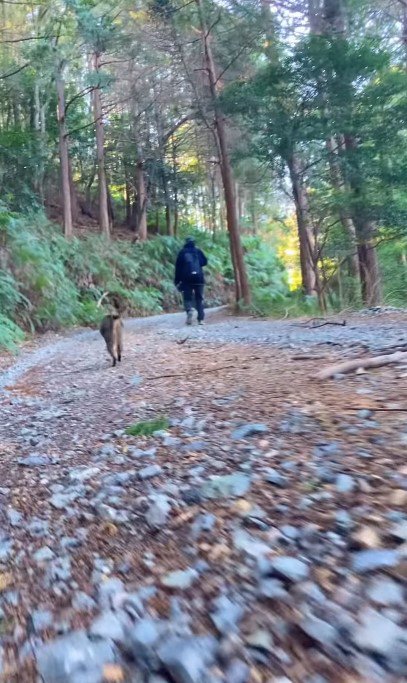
(39, 126)
(75, 208)
(242, 288)
(141, 226)
(404, 29)
(175, 186)
(327, 18)
(64, 155)
(338, 184)
(365, 231)
(100, 152)
(305, 231)
(128, 202)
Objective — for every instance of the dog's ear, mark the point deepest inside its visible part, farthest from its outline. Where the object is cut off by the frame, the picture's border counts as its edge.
(116, 303)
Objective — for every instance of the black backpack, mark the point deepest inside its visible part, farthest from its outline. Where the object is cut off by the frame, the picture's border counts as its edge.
(192, 267)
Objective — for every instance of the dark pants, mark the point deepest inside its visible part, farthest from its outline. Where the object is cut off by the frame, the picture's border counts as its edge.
(193, 298)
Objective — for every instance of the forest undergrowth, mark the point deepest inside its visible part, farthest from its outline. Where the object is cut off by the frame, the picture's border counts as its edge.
(48, 282)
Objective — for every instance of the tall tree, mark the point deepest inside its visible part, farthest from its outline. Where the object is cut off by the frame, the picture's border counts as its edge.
(239, 266)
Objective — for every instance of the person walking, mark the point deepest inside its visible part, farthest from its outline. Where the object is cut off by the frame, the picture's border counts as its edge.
(190, 279)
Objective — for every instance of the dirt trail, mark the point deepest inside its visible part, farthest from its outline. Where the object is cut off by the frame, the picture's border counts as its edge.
(317, 474)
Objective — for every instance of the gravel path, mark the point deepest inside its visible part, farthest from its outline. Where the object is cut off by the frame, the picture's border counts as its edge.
(259, 537)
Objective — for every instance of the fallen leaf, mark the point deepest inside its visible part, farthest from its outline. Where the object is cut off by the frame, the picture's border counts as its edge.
(113, 673)
(6, 580)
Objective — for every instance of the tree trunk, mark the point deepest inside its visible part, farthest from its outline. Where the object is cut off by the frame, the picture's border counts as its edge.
(100, 151)
(365, 230)
(315, 18)
(242, 287)
(305, 231)
(75, 209)
(175, 186)
(128, 202)
(332, 22)
(168, 221)
(39, 126)
(141, 227)
(64, 155)
(404, 29)
(348, 226)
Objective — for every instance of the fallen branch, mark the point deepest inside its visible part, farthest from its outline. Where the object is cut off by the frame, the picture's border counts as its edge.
(329, 322)
(102, 298)
(356, 363)
(200, 371)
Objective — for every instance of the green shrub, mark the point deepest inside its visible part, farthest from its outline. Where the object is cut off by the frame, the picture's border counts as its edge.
(48, 282)
(148, 427)
(10, 334)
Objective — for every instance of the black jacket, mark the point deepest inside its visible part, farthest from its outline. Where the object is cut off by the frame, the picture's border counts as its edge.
(181, 272)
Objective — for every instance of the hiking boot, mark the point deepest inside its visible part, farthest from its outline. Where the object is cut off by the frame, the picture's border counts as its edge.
(189, 318)
(201, 322)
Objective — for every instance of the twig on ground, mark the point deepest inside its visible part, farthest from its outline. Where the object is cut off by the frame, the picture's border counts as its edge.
(311, 323)
(188, 375)
(203, 370)
(356, 363)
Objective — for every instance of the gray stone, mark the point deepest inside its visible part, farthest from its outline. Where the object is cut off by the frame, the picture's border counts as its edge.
(158, 511)
(344, 521)
(109, 626)
(74, 659)
(37, 527)
(118, 478)
(132, 603)
(139, 453)
(275, 478)
(6, 547)
(83, 602)
(237, 672)
(62, 501)
(261, 639)
(377, 634)
(399, 531)
(290, 532)
(188, 659)
(364, 413)
(249, 544)
(108, 590)
(44, 554)
(319, 631)
(14, 517)
(107, 451)
(370, 560)
(41, 620)
(110, 514)
(181, 579)
(345, 484)
(191, 496)
(36, 460)
(142, 639)
(83, 473)
(203, 523)
(247, 430)
(225, 486)
(149, 472)
(385, 591)
(272, 589)
(227, 615)
(290, 568)
(171, 441)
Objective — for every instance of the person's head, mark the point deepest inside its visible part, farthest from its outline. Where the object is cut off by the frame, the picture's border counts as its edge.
(189, 242)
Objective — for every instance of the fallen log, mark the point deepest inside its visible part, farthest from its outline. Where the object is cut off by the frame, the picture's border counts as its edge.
(356, 363)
